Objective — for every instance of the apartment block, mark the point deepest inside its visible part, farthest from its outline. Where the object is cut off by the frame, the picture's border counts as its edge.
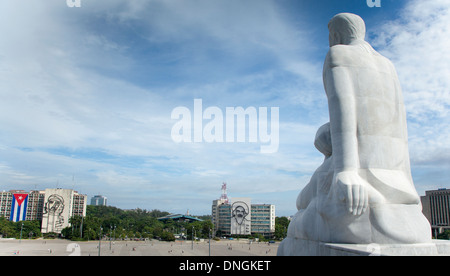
(53, 207)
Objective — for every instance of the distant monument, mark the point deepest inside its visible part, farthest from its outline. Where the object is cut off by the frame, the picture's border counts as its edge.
(363, 193)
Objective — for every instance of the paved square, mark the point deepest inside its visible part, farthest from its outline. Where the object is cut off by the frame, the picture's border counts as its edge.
(40, 247)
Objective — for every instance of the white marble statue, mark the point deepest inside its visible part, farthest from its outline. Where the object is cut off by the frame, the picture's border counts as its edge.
(363, 192)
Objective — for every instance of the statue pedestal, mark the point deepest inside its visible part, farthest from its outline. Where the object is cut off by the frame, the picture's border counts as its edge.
(298, 247)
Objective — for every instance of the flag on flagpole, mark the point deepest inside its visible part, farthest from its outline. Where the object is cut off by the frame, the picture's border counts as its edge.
(19, 207)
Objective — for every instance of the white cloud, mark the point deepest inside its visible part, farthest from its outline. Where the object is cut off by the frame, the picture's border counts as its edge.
(418, 44)
(71, 81)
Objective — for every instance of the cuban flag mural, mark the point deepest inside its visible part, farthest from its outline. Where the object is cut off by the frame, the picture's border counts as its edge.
(19, 207)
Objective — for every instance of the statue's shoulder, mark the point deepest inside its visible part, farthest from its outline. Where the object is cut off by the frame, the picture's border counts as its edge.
(359, 55)
(342, 55)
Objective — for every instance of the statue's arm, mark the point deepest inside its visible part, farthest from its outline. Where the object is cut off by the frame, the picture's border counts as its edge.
(339, 83)
(339, 86)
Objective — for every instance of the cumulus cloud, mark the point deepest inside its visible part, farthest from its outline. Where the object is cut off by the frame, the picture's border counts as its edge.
(417, 43)
(87, 94)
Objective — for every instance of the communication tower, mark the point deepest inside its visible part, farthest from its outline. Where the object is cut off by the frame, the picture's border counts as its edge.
(224, 196)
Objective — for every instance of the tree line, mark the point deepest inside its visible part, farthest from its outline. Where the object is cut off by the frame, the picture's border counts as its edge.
(111, 222)
(115, 223)
(20, 229)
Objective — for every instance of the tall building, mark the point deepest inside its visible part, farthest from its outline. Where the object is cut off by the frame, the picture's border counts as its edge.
(6, 203)
(263, 219)
(53, 207)
(436, 208)
(59, 206)
(18, 205)
(98, 200)
(215, 213)
(239, 217)
(35, 205)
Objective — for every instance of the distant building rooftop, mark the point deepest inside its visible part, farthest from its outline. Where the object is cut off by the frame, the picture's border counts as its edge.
(179, 217)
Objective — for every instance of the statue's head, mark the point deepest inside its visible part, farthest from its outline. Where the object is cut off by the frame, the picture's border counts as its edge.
(345, 28)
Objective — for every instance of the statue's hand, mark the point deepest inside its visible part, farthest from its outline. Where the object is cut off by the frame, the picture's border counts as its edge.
(353, 190)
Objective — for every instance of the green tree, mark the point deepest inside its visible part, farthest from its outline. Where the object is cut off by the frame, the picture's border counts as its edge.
(29, 229)
(7, 228)
(281, 226)
(444, 235)
(167, 236)
(122, 224)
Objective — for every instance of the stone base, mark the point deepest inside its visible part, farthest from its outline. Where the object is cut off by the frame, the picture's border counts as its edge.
(297, 247)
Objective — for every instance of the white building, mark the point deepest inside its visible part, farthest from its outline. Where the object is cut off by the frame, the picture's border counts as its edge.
(53, 207)
(241, 217)
(99, 200)
(59, 206)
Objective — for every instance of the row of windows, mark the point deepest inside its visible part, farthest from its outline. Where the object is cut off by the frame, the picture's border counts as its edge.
(440, 208)
(6, 210)
(260, 222)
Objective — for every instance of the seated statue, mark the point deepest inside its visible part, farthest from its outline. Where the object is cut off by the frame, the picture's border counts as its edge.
(363, 192)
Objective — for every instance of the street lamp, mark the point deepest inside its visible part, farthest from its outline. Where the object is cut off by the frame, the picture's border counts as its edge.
(115, 234)
(99, 240)
(192, 234)
(110, 236)
(210, 241)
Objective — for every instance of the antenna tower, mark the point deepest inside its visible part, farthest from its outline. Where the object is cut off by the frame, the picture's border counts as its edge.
(224, 192)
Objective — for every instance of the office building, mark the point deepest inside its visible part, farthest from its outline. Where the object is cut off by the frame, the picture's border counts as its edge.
(53, 207)
(436, 208)
(98, 200)
(263, 219)
(239, 216)
(30, 207)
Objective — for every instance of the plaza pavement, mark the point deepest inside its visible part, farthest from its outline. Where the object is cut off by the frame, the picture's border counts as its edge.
(57, 247)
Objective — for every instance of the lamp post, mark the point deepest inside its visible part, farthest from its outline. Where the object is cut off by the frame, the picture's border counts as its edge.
(210, 241)
(99, 240)
(115, 234)
(192, 234)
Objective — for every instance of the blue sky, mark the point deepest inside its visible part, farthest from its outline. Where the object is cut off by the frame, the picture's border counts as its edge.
(87, 94)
